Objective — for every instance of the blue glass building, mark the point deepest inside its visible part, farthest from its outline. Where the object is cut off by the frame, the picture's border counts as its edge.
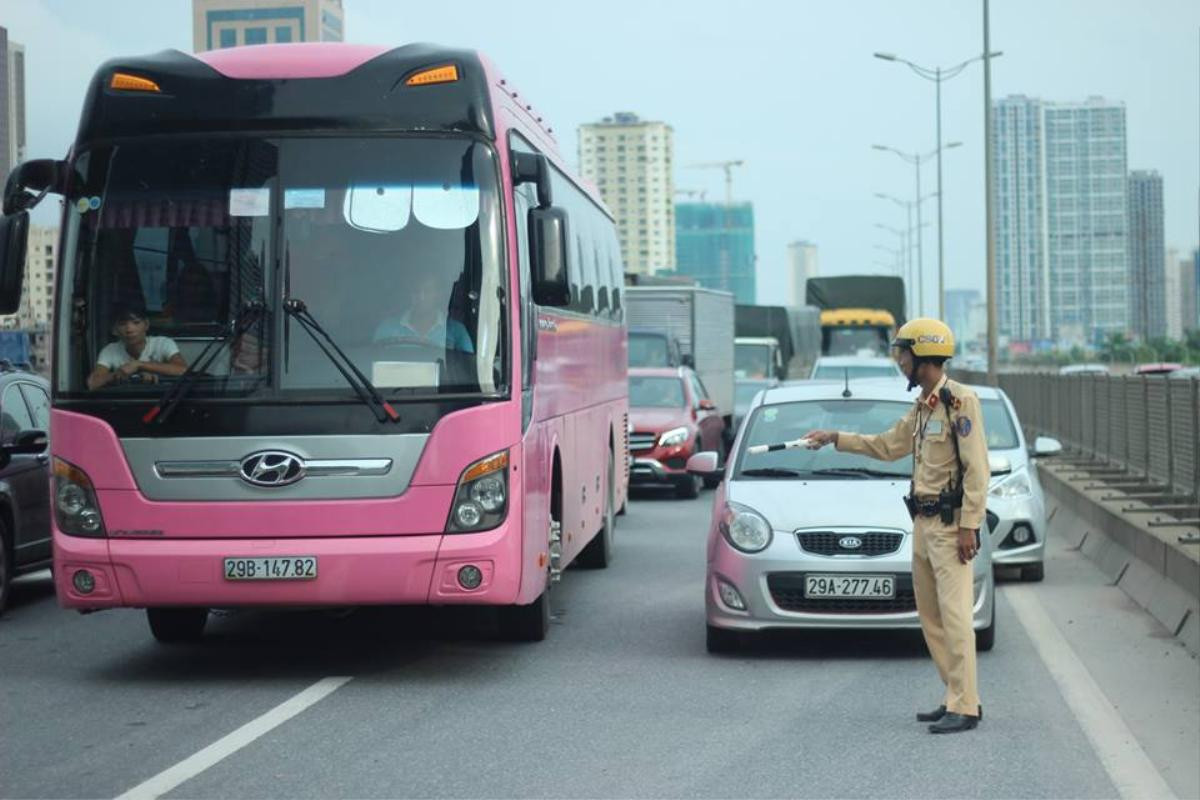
(714, 244)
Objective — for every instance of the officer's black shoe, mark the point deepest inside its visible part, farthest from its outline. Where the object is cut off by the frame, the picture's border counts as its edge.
(938, 713)
(954, 723)
(931, 716)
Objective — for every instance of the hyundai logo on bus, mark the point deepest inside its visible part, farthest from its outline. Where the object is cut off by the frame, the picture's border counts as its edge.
(850, 542)
(272, 468)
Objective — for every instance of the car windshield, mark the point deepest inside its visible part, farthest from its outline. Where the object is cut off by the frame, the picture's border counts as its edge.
(745, 391)
(648, 350)
(752, 360)
(652, 392)
(391, 243)
(785, 422)
(829, 372)
(998, 424)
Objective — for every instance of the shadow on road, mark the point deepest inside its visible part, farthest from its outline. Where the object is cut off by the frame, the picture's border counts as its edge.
(839, 645)
(30, 589)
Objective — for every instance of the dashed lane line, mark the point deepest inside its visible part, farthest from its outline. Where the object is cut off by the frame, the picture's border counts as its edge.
(227, 745)
(1128, 766)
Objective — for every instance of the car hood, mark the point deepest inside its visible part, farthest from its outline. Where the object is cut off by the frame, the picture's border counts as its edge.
(658, 419)
(792, 504)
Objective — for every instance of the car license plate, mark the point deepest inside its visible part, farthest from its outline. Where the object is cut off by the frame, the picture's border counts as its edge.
(850, 586)
(283, 568)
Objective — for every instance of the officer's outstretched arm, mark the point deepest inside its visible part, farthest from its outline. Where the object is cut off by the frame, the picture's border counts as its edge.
(891, 445)
(972, 448)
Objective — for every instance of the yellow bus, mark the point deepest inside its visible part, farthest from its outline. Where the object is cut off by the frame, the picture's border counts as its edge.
(856, 331)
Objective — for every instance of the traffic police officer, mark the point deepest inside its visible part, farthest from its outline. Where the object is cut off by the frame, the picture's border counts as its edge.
(944, 432)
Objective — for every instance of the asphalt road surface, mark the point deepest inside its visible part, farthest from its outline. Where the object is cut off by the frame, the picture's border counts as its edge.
(1084, 696)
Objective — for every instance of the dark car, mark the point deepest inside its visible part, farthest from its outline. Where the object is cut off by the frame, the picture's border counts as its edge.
(671, 417)
(24, 475)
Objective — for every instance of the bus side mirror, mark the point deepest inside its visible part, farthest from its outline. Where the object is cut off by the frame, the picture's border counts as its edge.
(533, 168)
(548, 257)
(39, 176)
(14, 238)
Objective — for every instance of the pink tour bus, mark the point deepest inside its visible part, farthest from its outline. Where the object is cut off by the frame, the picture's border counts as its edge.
(400, 333)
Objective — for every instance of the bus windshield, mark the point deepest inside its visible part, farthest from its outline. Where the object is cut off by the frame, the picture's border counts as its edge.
(392, 244)
(847, 340)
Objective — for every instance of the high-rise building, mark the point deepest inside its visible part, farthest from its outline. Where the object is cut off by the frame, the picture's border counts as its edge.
(12, 104)
(630, 161)
(1189, 292)
(37, 294)
(1174, 303)
(959, 303)
(1062, 244)
(714, 244)
(229, 23)
(802, 265)
(1147, 256)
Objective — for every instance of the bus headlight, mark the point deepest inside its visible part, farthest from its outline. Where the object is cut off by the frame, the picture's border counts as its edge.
(481, 499)
(75, 507)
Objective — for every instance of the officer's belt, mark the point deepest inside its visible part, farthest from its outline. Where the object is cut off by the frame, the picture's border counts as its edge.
(932, 506)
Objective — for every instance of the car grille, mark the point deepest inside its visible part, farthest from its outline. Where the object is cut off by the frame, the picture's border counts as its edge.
(827, 543)
(787, 590)
(642, 441)
(993, 521)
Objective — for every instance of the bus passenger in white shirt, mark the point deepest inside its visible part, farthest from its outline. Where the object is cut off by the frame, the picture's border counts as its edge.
(136, 353)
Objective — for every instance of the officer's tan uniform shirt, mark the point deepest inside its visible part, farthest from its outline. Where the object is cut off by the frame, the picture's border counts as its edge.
(925, 432)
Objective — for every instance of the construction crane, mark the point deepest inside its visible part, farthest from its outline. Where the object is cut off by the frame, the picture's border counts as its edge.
(693, 193)
(728, 167)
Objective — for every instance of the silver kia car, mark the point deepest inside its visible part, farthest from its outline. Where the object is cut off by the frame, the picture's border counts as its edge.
(804, 539)
(1016, 507)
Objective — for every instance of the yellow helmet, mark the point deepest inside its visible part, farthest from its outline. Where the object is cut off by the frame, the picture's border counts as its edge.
(926, 337)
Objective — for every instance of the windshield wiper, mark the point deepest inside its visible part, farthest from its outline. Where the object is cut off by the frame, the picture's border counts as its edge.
(772, 472)
(865, 472)
(174, 393)
(365, 390)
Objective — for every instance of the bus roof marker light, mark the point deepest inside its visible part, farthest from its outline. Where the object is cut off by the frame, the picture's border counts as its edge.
(447, 73)
(123, 81)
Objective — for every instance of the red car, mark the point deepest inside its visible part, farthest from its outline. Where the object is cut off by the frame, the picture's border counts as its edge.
(670, 417)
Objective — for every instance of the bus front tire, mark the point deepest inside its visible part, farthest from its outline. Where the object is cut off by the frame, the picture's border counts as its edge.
(528, 623)
(177, 625)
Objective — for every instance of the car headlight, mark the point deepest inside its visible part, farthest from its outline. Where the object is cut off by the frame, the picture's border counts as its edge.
(1015, 485)
(673, 437)
(481, 499)
(745, 528)
(76, 510)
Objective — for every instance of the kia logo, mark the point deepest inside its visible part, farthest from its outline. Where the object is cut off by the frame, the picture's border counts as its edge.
(272, 468)
(849, 542)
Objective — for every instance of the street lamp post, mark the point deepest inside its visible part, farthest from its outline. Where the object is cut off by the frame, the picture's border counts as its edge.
(937, 75)
(916, 160)
(907, 205)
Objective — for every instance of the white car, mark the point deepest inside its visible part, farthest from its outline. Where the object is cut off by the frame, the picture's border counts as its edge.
(1016, 507)
(842, 368)
(804, 539)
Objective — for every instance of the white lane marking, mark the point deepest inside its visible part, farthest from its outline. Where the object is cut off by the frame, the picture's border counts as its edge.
(1128, 766)
(226, 746)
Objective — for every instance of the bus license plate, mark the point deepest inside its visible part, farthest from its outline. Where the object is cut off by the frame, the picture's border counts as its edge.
(283, 568)
(883, 586)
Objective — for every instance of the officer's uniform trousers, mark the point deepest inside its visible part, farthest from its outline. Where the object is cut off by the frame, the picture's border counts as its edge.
(943, 585)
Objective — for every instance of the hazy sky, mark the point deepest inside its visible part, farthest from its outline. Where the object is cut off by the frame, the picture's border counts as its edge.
(789, 86)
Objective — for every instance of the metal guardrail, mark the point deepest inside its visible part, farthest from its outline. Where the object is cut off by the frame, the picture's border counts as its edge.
(1135, 434)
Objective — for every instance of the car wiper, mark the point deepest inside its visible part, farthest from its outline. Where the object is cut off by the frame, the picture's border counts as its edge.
(771, 472)
(365, 390)
(865, 472)
(173, 395)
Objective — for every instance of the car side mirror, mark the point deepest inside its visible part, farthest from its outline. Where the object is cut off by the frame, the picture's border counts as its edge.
(999, 465)
(705, 465)
(707, 405)
(533, 168)
(27, 443)
(14, 238)
(548, 257)
(687, 362)
(1046, 446)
